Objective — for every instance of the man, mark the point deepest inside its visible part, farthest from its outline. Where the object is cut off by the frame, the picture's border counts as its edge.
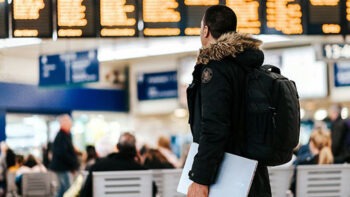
(64, 160)
(339, 135)
(215, 98)
(125, 159)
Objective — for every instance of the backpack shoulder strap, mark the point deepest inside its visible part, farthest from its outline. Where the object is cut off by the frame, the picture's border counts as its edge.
(268, 67)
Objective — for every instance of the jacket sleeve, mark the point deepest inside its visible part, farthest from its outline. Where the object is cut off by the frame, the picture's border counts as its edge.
(216, 110)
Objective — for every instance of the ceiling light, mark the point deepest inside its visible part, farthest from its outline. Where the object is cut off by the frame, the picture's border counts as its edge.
(17, 42)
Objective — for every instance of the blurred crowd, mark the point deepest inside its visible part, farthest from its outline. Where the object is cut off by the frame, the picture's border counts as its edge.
(68, 164)
(328, 144)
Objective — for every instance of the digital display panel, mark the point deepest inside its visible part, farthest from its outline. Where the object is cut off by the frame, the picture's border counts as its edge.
(283, 17)
(161, 17)
(3, 19)
(76, 18)
(194, 11)
(347, 18)
(248, 15)
(324, 17)
(31, 18)
(118, 18)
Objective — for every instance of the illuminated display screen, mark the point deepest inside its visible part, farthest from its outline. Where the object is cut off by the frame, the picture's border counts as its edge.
(194, 10)
(347, 18)
(118, 18)
(3, 19)
(161, 17)
(324, 17)
(283, 17)
(248, 15)
(76, 18)
(31, 18)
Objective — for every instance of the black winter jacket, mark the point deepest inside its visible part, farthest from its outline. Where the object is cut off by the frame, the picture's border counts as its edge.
(215, 100)
(63, 154)
(339, 136)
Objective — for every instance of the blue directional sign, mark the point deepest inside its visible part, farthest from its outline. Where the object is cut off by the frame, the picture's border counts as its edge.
(342, 74)
(69, 68)
(153, 86)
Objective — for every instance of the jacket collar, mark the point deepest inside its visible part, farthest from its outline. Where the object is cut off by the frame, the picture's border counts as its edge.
(229, 44)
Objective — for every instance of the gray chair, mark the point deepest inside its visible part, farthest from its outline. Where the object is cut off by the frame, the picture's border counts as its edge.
(280, 179)
(323, 180)
(11, 185)
(36, 184)
(122, 183)
(167, 181)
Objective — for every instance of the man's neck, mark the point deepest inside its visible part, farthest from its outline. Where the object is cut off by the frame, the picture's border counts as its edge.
(65, 131)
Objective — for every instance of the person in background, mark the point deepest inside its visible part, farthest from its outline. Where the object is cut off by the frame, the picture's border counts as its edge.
(90, 157)
(165, 149)
(30, 165)
(156, 160)
(103, 147)
(338, 135)
(64, 159)
(124, 159)
(319, 153)
(3, 169)
(11, 161)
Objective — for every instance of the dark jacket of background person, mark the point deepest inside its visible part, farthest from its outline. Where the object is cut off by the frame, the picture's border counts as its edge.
(126, 159)
(215, 106)
(339, 134)
(113, 162)
(155, 160)
(63, 154)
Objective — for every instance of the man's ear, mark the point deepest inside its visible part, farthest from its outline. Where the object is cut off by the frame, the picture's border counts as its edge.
(206, 31)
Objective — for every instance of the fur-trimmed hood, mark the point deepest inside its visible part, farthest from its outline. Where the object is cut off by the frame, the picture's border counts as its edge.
(233, 44)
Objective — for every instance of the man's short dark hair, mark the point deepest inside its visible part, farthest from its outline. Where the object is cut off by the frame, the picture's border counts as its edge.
(127, 143)
(220, 19)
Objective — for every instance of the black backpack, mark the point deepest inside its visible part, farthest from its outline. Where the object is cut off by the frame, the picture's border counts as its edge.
(271, 116)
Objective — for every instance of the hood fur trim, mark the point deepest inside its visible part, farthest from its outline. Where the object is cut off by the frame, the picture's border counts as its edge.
(229, 44)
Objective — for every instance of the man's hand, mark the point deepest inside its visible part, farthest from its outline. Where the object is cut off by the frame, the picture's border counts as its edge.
(198, 190)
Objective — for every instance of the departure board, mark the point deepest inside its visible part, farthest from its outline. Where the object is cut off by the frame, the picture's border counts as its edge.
(31, 18)
(118, 18)
(76, 18)
(347, 21)
(283, 17)
(161, 17)
(151, 18)
(324, 17)
(3, 19)
(194, 11)
(248, 15)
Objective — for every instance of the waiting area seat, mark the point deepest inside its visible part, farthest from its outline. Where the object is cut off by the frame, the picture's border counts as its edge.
(167, 181)
(36, 184)
(122, 183)
(280, 179)
(323, 181)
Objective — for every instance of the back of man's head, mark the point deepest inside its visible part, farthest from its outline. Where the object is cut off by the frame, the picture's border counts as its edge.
(220, 19)
(335, 111)
(127, 143)
(65, 122)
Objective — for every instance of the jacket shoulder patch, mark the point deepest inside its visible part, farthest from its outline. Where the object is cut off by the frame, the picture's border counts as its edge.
(207, 74)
